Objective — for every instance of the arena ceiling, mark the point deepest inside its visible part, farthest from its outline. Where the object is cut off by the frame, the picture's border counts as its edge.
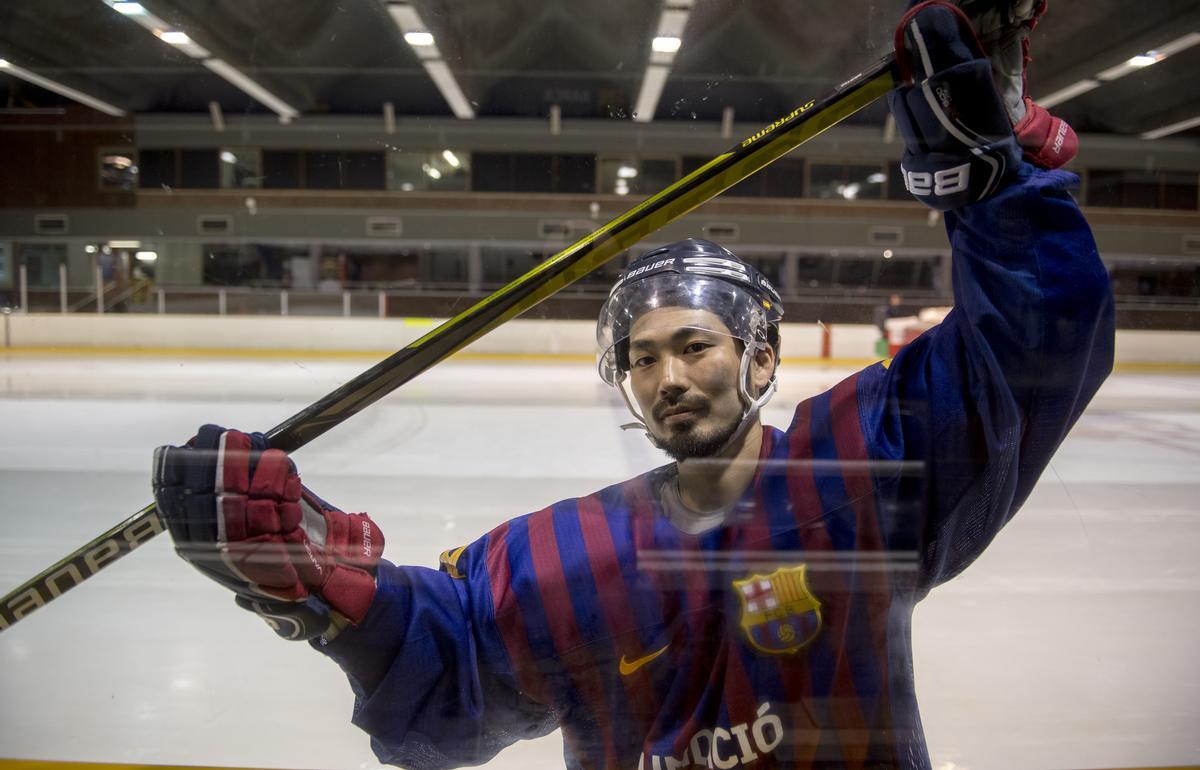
(591, 59)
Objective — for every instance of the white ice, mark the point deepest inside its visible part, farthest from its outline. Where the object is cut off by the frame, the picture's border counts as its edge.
(1070, 643)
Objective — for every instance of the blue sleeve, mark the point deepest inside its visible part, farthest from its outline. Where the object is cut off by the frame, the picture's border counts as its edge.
(432, 685)
(982, 401)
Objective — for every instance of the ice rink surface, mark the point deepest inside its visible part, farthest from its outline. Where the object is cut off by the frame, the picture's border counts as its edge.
(1071, 643)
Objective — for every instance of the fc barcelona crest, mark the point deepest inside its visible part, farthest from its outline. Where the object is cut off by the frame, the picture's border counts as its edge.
(779, 613)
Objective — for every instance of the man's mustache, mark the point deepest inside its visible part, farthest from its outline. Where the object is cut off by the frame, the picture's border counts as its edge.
(688, 404)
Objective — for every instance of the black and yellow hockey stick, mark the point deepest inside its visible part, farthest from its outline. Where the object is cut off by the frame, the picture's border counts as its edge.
(574, 262)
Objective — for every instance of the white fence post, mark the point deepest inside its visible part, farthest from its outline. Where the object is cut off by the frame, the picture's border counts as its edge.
(383, 304)
(221, 305)
(346, 304)
(23, 287)
(99, 277)
(62, 288)
(162, 301)
(283, 302)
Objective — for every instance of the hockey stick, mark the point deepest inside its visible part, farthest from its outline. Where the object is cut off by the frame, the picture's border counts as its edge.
(577, 260)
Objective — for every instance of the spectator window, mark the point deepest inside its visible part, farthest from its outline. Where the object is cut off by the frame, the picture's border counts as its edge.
(510, 172)
(647, 176)
(813, 272)
(240, 168)
(281, 169)
(198, 169)
(848, 181)
(418, 171)
(856, 272)
(157, 169)
(1142, 189)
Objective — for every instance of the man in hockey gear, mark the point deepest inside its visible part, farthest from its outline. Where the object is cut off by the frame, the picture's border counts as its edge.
(238, 513)
(772, 629)
(728, 307)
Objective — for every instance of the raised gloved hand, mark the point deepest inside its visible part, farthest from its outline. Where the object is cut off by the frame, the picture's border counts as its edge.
(959, 143)
(963, 114)
(1003, 28)
(238, 513)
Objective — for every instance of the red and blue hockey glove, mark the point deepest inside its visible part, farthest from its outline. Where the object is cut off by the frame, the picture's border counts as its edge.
(1003, 28)
(959, 143)
(238, 513)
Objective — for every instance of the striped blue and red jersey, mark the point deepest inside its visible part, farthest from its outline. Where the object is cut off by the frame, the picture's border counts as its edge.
(780, 638)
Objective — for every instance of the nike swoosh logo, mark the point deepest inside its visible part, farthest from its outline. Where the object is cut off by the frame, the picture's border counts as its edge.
(627, 667)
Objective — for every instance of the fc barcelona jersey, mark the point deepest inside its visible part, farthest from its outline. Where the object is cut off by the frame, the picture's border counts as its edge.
(781, 637)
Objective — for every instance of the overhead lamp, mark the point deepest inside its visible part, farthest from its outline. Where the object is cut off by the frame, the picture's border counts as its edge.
(1070, 92)
(1173, 128)
(228, 157)
(665, 44)
(431, 171)
(1132, 64)
(60, 89)
(877, 178)
(417, 34)
(627, 172)
(184, 43)
(146, 256)
(668, 37)
(451, 158)
(174, 37)
(124, 244)
(284, 110)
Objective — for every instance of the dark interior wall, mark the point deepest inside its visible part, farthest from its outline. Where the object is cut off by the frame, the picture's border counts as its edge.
(52, 159)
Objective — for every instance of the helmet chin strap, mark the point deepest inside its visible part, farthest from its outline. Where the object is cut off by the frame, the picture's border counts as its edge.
(751, 411)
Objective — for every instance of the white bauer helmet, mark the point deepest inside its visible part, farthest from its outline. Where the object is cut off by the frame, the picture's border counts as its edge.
(695, 274)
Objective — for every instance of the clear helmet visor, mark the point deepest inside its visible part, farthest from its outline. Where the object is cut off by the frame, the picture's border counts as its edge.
(742, 315)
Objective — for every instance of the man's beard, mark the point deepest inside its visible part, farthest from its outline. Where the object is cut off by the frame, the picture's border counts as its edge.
(692, 443)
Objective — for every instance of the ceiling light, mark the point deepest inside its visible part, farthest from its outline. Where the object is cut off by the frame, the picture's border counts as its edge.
(431, 171)
(174, 37)
(1150, 57)
(1173, 128)
(124, 244)
(627, 172)
(128, 8)
(146, 256)
(281, 108)
(1070, 92)
(90, 249)
(877, 178)
(451, 158)
(888, 254)
(621, 188)
(228, 157)
(417, 35)
(666, 44)
(652, 88)
(60, 89)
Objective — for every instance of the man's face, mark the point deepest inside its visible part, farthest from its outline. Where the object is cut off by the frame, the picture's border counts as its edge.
(683, 373)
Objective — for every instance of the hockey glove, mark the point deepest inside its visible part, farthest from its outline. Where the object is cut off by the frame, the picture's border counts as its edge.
(959, 144)
(1003, 28)
(238, 513)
